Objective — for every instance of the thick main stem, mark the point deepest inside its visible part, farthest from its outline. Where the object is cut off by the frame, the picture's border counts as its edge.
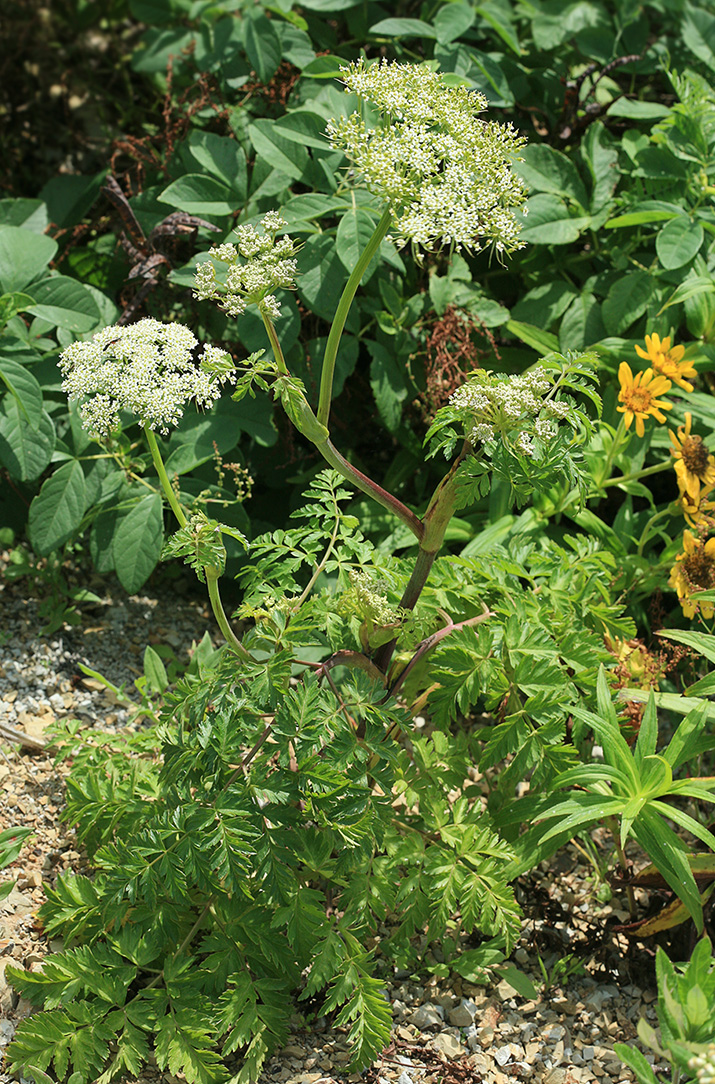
(341, 315)
(434, 522)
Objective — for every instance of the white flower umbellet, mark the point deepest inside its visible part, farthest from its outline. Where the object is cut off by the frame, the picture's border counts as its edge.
(148, 368)
(445, 173)
(258, 263)
(516, 408)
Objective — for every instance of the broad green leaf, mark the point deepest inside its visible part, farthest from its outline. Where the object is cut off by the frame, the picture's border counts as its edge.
(495, 15)
(549, 223)
(29, 213)
(678, 242)
(263, 46)
(643, 213)
(544, 304)
(24, 255)
(70, 196)
(387, 382)
(403, 28)
(582, 324)
(223, 158)
(490, 78)
(101, 540)
(324, 67)
(66, 303)
(636, 110)
(154, 670)
(698, 284)
(283, 154)
(322, 275)
(627, 300)
(24, 451)
(601, 157)
(305, 127)
(547, 170)
(138, 541)
(20, 382)
(198, 439)
(542, 341)
(57, 510)
(310, 206)
(699, 34)
(197, 194)
(354, 231)
(451, 21)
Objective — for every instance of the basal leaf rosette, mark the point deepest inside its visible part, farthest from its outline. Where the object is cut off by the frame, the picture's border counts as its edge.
(150, 369)
(445, 173)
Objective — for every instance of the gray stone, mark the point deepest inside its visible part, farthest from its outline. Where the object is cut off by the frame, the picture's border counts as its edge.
(449, 1046)
(502, 1055)
(463, 1015)
(404, 1078)
(427, 1016)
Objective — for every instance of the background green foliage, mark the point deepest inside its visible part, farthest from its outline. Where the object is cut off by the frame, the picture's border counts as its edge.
(217, 111)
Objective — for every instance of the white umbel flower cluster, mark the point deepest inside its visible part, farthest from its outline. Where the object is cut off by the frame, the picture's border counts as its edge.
(446, 174)
(703, 1065)
(513, 407)
(148, 368)
(257, 264)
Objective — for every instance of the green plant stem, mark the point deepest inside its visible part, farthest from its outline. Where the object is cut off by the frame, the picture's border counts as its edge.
(275, 344)
(332, 456)
(434, 522)
(612, 453)
(212, 574)
(646, 533)
(164, 477)
(341, 315)
(636, 475)
(305, 421)
(220, 614)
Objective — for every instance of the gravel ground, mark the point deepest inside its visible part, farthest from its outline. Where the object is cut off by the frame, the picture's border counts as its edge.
(444, 1033)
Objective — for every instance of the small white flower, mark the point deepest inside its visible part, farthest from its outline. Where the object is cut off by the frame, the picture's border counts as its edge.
(149, 369)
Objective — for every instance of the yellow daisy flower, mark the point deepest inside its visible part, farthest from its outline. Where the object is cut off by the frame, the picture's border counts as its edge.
(666, 361)
(698, 513)
(639, 396)
(694, 466)
(694, 570)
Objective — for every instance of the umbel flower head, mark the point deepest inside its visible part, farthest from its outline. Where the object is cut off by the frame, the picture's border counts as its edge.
(639, 396)
(148, 368)
(445, 173)
(667, 360)
(257, 264)
(514, 408)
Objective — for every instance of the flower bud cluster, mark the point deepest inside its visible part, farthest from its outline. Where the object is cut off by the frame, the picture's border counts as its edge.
(148, 368)
(257, 264)
(445, 173)
(514, 407)
(703, 1065)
